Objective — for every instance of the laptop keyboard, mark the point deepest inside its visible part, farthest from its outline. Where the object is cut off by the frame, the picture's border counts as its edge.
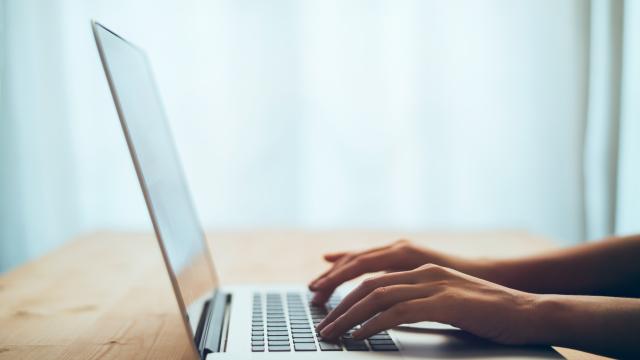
(286, 322)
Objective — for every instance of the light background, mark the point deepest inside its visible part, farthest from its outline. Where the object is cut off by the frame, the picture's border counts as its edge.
(411, 115)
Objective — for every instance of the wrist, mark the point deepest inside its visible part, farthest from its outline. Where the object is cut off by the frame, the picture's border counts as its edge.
(550, 319)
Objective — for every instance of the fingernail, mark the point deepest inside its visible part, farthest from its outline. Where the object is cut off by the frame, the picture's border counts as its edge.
(319, 283)
(357, 335)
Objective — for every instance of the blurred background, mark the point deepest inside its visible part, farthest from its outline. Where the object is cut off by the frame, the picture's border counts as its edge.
(329, 114)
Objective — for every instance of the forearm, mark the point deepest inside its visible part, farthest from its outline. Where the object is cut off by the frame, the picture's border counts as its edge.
(603, 325)
(608, 267)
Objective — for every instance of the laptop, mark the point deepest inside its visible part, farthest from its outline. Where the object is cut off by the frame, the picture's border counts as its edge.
(244, 321)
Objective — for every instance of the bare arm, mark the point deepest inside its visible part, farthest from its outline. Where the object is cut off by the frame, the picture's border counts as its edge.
(608, 267)
(603, 325)
(597, 324)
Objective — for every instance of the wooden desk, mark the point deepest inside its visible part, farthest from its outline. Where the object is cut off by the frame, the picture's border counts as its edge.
(107, 295)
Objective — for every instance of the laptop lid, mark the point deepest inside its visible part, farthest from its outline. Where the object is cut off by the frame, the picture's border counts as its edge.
(159, 172)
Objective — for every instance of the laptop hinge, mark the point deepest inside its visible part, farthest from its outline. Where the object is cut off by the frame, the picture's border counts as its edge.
(213, 325)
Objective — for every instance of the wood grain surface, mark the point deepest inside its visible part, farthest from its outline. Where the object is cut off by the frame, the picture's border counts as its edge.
(107, 295)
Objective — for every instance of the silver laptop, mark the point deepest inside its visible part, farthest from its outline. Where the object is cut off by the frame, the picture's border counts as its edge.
(241, 322)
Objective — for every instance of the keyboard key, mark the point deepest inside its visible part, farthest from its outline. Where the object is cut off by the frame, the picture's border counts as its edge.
(257, 348)
(278, 338)
(381, 342)
(327, 346)
(355, 345)
(301, 327)
(357, 348)
(302, 335)
(257, 338)
(278, 343)
(277, 333)
(261, 343)
(303, 340)
(301, 331)
(279, 348)
(375, 347)
(276, 327)
(348, 341)
(304, 346)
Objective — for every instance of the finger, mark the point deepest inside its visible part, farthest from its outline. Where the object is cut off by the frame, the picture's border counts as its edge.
(375, 302)
(326, 286)
(321, 297)
(366, 287)
(312, 284)
(343, 260)
(423, 275)
(334, 256)
(337, 264)
(357, 266)
(401, 313)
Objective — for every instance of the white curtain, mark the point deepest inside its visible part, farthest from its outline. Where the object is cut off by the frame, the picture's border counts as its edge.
(627, 219)
(612, 151)
(327, 114)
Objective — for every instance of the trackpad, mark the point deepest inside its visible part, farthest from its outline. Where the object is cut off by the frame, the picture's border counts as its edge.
(450, 343)
(428, 325)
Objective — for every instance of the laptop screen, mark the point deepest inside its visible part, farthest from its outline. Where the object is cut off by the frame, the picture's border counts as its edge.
(158, 168)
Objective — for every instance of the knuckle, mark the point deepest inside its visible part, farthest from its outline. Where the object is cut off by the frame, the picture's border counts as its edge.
(368, 284)
(402, 242)
(427, 266)
(433, 269)
(378, 295)
(403, 245)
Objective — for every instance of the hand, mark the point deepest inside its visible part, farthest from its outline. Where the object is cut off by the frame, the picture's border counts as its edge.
(399, 256)
(435, 293)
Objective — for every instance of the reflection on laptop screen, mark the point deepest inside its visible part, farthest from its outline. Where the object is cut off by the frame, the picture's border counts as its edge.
(159, 170)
